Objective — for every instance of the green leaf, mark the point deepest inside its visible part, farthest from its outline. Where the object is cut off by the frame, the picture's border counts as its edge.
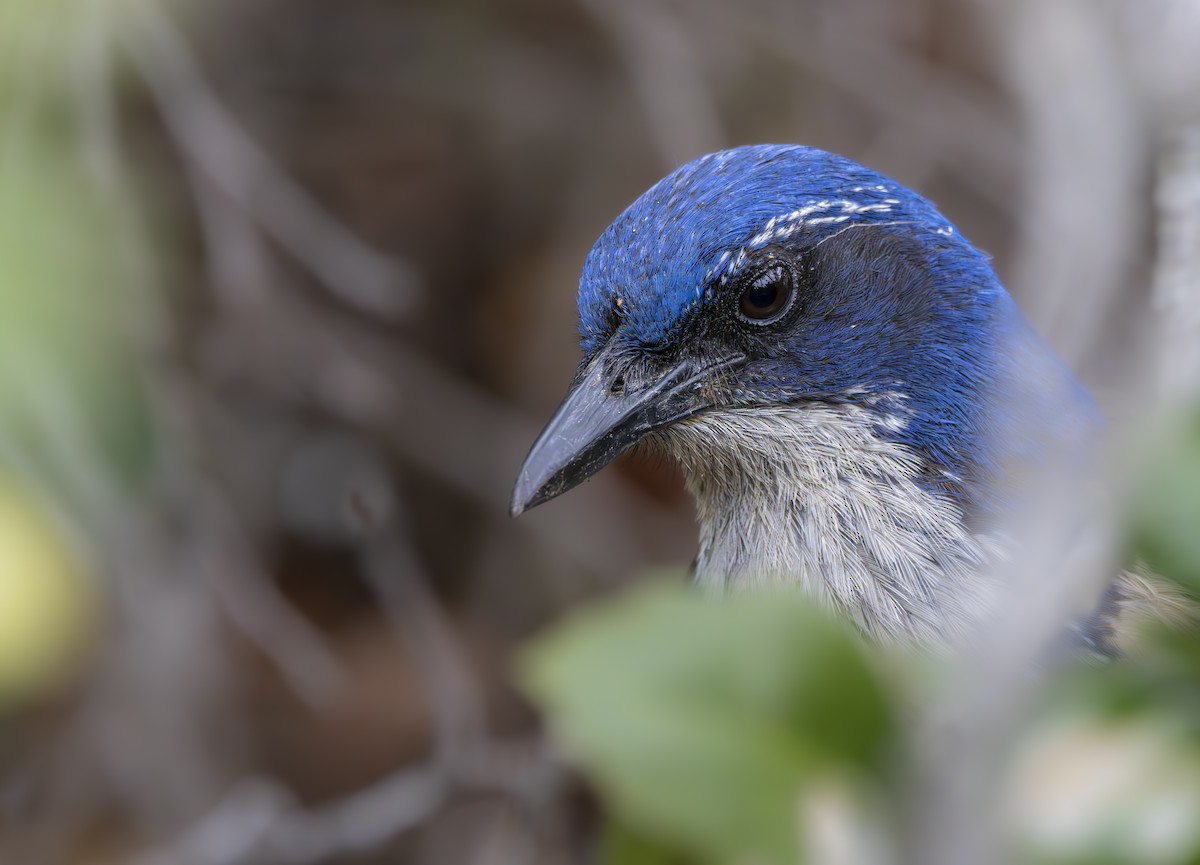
(621, 846)
(701, 721)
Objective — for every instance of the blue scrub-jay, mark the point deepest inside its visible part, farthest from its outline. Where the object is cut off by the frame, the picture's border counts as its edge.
(842, 378)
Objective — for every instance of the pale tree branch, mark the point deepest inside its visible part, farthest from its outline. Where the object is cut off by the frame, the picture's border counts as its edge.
(203, 129)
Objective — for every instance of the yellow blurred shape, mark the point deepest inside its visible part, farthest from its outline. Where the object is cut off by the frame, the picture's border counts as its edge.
(46, 600)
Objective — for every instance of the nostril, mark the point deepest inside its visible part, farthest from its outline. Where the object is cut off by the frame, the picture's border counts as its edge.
(617, 388)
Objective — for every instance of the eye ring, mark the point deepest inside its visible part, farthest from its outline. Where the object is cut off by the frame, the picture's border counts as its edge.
(768, 295)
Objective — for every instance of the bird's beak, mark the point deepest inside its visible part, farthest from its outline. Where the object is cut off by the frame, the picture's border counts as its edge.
(596, 423)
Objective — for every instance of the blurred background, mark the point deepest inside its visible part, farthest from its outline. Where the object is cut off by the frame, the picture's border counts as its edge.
(287, 290)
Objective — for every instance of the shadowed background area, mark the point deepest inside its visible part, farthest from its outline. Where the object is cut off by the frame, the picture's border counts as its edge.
(288, 288)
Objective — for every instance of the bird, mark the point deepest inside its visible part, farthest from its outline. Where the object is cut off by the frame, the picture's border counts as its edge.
(850, 391)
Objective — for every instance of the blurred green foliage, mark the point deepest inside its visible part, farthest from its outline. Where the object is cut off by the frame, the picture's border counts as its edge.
(75, 423)
(69, 387)
(714, 732)
(1108, 770)
(701, 721)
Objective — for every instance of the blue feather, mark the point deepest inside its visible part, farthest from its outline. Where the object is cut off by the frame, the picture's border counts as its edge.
(909, 320)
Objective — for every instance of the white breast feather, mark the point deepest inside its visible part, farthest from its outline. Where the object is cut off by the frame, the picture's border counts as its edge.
(813, 494)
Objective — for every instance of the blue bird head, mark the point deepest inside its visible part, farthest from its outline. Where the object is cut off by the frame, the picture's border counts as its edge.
(788, 280)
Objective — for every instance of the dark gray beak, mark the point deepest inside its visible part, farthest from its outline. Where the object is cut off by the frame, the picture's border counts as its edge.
(597, 422)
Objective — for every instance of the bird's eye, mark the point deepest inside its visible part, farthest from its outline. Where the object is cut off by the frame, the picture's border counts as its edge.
(768, 295)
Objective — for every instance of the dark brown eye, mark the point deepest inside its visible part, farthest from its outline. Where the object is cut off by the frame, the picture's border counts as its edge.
(768, 295)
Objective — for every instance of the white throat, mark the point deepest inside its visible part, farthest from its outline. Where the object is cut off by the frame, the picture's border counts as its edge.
(811, 494)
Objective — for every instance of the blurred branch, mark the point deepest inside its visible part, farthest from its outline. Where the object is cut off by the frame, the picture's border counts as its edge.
(259, 824)
(961, 125)
(94, 100)
(1177, 271)
(238, 268)
(668, 77)
(389, 389)
(456, 703)
(1086, 154)
(253, 603)
(336, 488)
(205, 131)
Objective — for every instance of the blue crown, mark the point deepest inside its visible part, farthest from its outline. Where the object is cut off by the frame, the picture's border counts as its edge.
(670, 252)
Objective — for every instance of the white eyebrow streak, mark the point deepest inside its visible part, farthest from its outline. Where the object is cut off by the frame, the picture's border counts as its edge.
(784, 225)
(846, 228)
